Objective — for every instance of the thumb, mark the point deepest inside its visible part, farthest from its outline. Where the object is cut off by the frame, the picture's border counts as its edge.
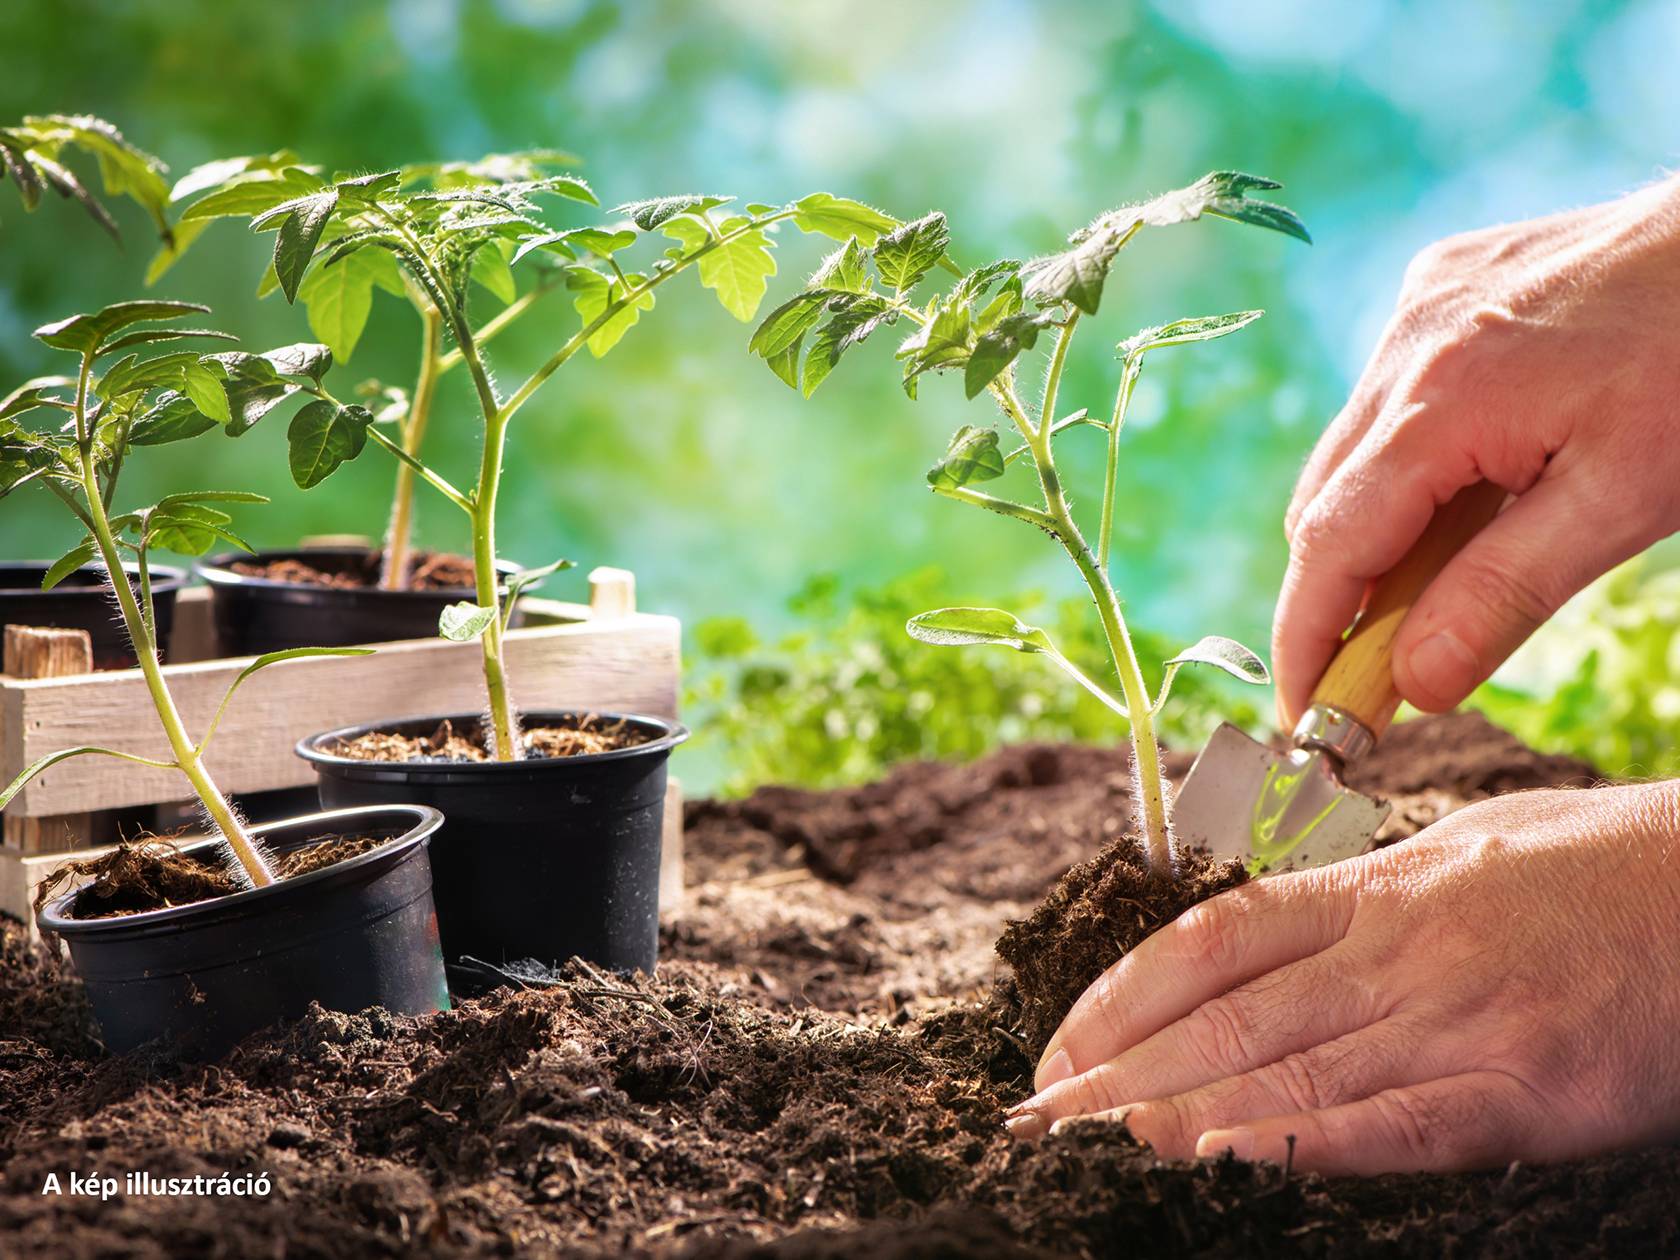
(1508, 580)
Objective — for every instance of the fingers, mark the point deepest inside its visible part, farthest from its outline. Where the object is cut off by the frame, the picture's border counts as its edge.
(1458, 1123)
(1360, 525)
(1303, 1005)
(1515, 574)
(1336, 1071)
(1213, 947)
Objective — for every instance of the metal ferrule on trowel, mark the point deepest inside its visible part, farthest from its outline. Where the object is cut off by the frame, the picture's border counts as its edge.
(1285, 809)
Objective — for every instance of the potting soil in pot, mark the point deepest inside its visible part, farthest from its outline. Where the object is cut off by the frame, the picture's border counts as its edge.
(427, 571)
(819, 1069)
(450, 742)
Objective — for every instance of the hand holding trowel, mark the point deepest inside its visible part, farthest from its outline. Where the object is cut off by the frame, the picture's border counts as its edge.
(1289, 809)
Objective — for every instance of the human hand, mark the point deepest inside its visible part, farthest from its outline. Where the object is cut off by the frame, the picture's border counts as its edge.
(1539, 356)
(1505, 985)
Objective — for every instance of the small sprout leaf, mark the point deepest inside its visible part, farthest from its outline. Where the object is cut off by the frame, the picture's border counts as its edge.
(841, 218)
(650, 214)
(846, 270)
(962, 627)
(907, 253)
(464, 622)
(68, 563)
(1001, 345)
(972, 456)
(1225, 654)
(1184, 331)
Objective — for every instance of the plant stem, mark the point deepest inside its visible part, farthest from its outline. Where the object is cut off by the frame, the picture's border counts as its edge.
(1122, 399)
(138, 624)
(1053, 378)
(394, 572)
(504, 725)
(1152, 798)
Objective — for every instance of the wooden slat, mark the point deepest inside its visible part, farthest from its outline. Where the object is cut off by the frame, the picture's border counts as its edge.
(41, 652)
(625, 664)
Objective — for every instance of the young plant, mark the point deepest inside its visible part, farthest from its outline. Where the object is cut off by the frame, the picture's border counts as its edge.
(981, 327)
(450, 228)
(125, 394)
(339, 299)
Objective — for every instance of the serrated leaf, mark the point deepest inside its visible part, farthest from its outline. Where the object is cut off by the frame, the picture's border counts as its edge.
(464, 622)
(854, 319)
(322, 436)
(963, 627)
(789, 322)
(650, 214)
(82, 553)
(124, 169)
(997, 348)
(1225, 654)
(975, 284)
(300, 232)
(907, 253)
(972, 455)
(942, 342)
(254, 196)
(85, 333)
(738, 270)
(846, 270)
(841, 218)
(595, 294)
(1076, 275)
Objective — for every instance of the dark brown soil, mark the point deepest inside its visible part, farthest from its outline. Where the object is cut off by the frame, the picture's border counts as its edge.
(808, 1075)
(427, 571)
(589, 734)
(1096, 914)
(151, 873)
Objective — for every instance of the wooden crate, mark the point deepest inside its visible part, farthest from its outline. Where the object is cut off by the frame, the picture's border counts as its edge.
(603, 655)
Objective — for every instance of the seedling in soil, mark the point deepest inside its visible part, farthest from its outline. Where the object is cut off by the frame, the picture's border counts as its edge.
(443, 234)
(981, 327)
(124, 395)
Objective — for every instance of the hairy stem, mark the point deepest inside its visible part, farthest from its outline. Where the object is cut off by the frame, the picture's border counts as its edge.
(138, 624)
(394, 571)
(1122, 399)
(504, 724)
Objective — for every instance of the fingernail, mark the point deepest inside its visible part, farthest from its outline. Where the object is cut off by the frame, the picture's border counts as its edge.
(1443, 666)
(1026, 1126)
(1055, 1068)
(1215, 1142)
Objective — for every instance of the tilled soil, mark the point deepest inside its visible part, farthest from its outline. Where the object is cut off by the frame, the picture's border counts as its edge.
(815, 1071)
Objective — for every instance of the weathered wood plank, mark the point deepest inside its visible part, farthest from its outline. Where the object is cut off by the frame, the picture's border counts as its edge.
(629, 663)
(42, 652)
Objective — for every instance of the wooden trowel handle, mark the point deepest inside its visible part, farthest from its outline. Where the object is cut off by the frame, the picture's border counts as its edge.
(1360, 679)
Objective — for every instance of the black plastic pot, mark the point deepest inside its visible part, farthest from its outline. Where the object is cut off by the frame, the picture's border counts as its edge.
(542, 859)
(253, 615)
(199, 977)
(82, 602)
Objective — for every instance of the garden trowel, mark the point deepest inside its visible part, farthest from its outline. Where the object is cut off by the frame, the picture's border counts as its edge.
(1284, 809)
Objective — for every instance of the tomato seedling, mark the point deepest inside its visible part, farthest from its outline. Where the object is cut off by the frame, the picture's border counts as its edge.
(980, 328)
(125, 394)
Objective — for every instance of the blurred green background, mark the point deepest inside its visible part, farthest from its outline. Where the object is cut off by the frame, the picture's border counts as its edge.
(682, 458)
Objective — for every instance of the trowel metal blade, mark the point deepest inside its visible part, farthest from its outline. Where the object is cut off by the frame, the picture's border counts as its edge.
(1274, 810)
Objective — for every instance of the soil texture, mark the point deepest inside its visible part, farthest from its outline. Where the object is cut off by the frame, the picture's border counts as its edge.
(817, 1070)
(427, 571)
(152, 873)
(589, 734)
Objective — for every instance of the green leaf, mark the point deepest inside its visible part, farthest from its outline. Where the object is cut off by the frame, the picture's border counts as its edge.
(300, 232)
(205, 389)
(975, 283)
(907, 253)
(173, 418)
(222, 172)
(169, 502)
(841, 218)
(595, 294)
(254, 196)
(963, 627)
(942, 342)
(846, 270)
(464, 622)
(190, 529)
(526, 578)
(292, 654)
(339, 296)
(738, 270)
(1184, 331)
(52, 759)
(86, 333)
(124, 169)
(150, 336)
(322, 436)
(855, 318)
(490, 269)
(1076, 275)
(602, 242)
(973, 455)
(790, 321)
(1223, 194)
(1002, 345)
(35, 393)
(650, 214)
(68, 563)
(1225, 654)
(305, 358)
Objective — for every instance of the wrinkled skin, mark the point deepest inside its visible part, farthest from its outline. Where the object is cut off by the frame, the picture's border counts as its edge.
(1506, 985)
(1501, 987)
(1539, 356)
